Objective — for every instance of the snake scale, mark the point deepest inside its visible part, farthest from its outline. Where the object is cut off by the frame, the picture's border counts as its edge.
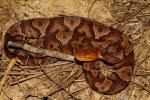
(87, 40)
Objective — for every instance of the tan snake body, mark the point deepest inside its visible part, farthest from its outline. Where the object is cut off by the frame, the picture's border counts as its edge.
(89, 41)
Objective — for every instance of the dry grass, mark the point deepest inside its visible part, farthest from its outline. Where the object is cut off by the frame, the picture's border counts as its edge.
(35, 83)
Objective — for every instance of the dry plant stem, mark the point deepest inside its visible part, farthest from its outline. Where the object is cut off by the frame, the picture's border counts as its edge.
(143, 60)
(35, 74)
(130, 16)
(25, 79)
(68, 81)
(91, 7)
(44, 52)
(61, 87)
(10, 98)
(19, 73)
(79, 91)
(145, 74)
(7, 71)
(59, 63)
(26, 98)
(141, 86)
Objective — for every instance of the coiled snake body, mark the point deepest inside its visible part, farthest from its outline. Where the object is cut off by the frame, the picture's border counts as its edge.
(87, 40)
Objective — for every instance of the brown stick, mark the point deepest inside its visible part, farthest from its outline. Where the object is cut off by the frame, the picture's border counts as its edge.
(5, 77)
(45, 52)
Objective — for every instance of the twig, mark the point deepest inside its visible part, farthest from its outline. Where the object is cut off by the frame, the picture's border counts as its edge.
(25, 79)
(68, 81)
(58, 63)
(19, 73)
(37, 74)
(141, 86)
(10, 98)
(79, 91)
(148, 56)
(41, 51)
(5, 77)
(32, 97)
(114, 97)
(17, 83)
(128, 17)
(61, 87)
(31, 77)
(146, 74)
(91, 7)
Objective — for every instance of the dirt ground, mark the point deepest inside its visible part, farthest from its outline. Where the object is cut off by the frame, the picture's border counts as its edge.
(132, 17)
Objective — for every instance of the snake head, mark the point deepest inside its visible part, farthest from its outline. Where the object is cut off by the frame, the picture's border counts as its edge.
(113, 54)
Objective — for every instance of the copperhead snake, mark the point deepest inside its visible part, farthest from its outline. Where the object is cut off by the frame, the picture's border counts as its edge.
(89, 41)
